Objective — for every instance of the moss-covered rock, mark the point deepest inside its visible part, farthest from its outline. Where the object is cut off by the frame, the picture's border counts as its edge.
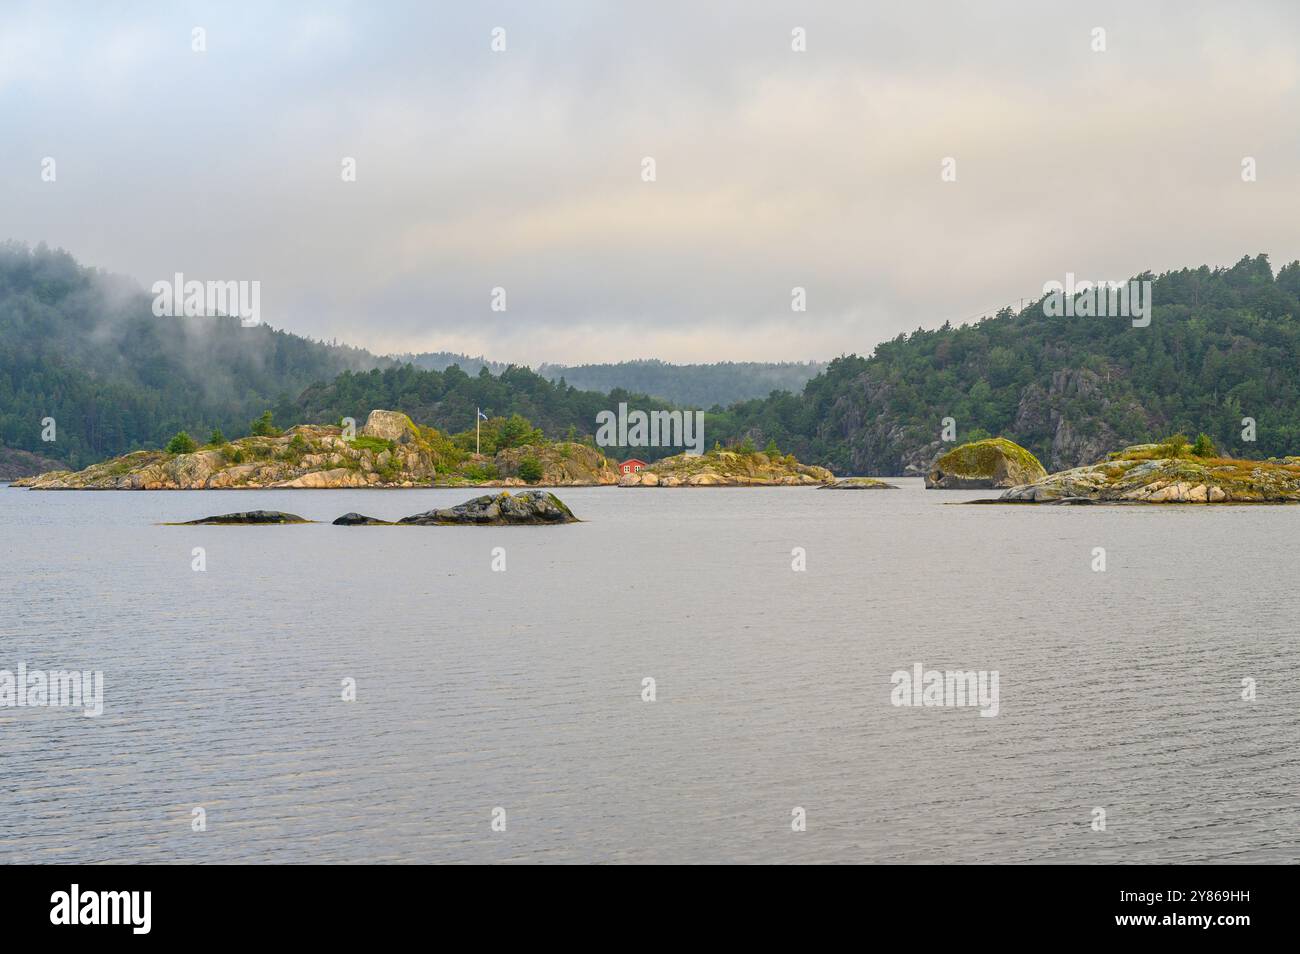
(995, 462)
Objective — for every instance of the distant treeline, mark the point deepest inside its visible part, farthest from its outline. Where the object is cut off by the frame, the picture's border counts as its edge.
(688, 385)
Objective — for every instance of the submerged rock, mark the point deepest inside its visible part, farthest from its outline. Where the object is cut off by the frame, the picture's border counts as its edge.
(504, 509)
(858, 483)
(248, 516)
(996, 462)
(355, 519)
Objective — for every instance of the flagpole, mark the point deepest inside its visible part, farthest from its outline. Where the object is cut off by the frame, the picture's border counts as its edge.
(478, 416)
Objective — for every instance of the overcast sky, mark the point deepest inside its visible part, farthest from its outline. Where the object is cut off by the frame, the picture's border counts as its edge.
(523, 168)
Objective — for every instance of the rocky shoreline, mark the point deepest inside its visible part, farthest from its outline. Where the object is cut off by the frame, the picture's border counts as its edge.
(389, 451)
(1146, 474)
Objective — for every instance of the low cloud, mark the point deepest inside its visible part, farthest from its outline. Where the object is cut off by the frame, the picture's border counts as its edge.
(522, 169)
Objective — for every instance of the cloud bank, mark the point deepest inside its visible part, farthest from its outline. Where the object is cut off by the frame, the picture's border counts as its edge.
(522, 169)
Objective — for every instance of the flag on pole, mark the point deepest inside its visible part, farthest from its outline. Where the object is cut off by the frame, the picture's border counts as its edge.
(481, 415)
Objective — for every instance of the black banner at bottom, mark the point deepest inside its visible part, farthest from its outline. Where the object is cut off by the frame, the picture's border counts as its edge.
(1215, 904)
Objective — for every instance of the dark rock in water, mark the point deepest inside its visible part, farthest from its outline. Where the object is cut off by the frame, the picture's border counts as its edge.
(496, 510)
(249, 516)
(355, 519)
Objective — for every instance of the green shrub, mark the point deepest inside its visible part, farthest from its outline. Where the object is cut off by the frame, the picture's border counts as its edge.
(1204, 447)
(182, 443)
(216, 438)
(530, 470)
(1175, 445)
(263, 427)
(232, 454)
(376, 444)
(516, 431)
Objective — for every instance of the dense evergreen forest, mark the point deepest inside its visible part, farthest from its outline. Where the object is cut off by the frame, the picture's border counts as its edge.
(1223, 345)
(85, 349)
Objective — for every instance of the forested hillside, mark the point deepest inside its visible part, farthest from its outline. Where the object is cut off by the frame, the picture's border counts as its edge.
(695, 385)
(1223, 344)
(85, 349)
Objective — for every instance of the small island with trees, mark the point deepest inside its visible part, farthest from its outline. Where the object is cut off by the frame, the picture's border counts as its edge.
(390, 450)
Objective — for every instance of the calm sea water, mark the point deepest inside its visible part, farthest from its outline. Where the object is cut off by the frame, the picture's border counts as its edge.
(522, 689)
